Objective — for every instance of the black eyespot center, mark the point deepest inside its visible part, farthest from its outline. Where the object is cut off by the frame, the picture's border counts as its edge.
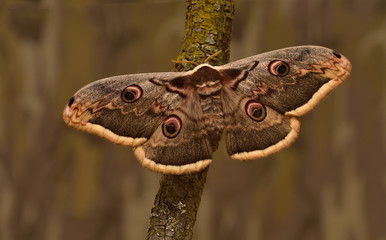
(71, 101)
(282, 69)
(130, 95)
(257, 112)
(337, 55)
(171, 128)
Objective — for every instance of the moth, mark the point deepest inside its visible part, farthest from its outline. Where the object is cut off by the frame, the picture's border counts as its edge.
(174, 119)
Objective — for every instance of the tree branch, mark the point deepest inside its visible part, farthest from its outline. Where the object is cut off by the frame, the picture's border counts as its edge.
(208, 28)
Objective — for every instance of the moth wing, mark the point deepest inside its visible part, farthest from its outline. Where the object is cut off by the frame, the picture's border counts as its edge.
(313, 72)
(285, 93)
(247, 138)
(99, 107)
(189, 151)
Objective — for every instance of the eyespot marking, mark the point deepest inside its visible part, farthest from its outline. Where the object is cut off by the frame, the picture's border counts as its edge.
(172, 126)
(131, 93)
(278, 68)
(256, 111)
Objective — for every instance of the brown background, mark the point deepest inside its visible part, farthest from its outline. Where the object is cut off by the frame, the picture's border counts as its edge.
(59, 184)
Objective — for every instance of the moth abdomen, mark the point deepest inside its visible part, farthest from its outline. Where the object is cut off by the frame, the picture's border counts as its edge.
(214, 126)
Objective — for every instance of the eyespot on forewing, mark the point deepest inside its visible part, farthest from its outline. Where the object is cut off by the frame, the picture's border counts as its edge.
(278, 68)
(131, 93)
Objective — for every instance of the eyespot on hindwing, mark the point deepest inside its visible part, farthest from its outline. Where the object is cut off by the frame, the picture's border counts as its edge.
(172, 126)
(256, 111)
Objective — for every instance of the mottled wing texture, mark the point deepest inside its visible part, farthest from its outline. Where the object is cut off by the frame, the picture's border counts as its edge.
(189, 151)
(173, 119)
(312, 74)
(98, 108)
(247, 139)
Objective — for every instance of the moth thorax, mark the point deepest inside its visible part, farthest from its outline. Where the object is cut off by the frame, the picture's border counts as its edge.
(211, 105)
(209, 88)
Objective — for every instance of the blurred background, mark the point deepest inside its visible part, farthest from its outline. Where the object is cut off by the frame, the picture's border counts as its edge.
(58, 184)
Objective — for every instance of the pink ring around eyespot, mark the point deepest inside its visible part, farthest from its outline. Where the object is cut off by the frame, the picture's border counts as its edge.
(136, 89)
(251, 105)
(175, 120)
(273, 65)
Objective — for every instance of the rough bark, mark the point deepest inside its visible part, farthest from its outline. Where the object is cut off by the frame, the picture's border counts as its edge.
(208, 28)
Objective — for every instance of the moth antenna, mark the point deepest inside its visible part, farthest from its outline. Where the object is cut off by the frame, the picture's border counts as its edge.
(212, 56)
(185, 61)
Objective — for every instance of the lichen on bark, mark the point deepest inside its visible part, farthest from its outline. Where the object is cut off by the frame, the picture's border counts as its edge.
(208, 28)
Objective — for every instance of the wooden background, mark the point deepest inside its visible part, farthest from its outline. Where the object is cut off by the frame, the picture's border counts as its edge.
(60, 184)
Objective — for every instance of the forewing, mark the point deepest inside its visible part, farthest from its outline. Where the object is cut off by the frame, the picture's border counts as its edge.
(313, 73)
(99, 108)
(286, 83)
